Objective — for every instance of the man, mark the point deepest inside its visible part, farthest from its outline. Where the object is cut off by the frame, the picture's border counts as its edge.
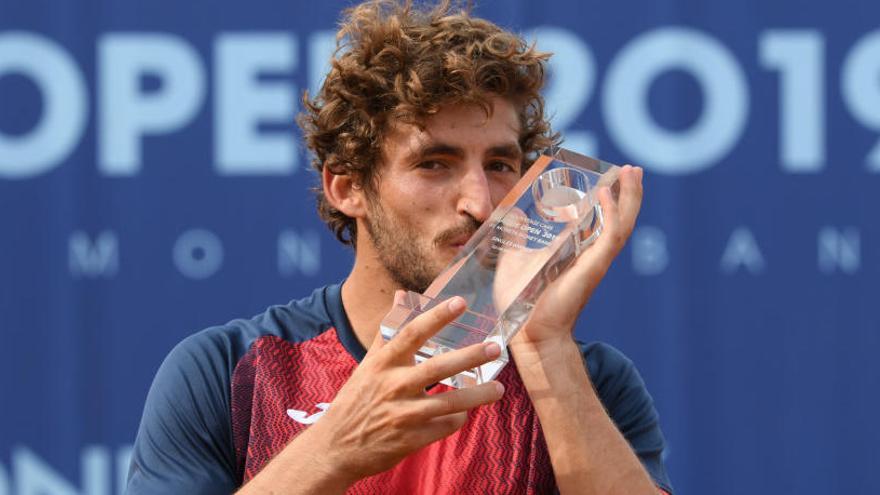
(424, 123)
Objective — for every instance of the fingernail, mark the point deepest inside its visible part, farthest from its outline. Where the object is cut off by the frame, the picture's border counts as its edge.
(499, 387)
(493, 350)
(456, 304)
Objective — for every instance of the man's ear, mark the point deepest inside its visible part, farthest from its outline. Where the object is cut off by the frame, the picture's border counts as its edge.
(344, 194)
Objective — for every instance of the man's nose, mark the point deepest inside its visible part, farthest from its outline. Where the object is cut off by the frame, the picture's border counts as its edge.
(475, 199)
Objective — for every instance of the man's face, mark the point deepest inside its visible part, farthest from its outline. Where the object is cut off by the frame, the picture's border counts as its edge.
(437, 185)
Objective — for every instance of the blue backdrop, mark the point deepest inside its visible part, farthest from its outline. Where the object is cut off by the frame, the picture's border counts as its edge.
(152, 183)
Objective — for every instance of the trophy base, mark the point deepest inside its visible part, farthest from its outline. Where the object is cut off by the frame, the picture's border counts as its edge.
(470, 328)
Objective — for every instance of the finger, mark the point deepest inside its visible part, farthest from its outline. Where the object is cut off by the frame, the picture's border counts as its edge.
(610, 236)
(378, 343)
(462, 399)
(440, 427)
(620, 215)
(379, 339)
(621, 218)
(420, 329)
(630, 199)
(444, 365)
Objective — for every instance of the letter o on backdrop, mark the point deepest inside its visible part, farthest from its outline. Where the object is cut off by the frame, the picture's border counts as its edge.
(61, 124)
(627, 114)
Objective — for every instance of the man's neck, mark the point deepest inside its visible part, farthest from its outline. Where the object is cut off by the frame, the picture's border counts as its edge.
(367, 295)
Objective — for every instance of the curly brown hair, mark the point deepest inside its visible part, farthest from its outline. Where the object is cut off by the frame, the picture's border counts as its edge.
(396, 62)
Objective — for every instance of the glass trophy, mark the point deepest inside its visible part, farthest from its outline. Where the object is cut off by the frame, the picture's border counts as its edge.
(549, 217)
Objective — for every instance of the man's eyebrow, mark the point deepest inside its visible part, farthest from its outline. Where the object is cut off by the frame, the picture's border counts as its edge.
(509, 150)
(433, 149)
(506, 150)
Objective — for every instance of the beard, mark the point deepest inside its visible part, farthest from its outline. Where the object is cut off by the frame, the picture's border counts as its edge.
(404, 254)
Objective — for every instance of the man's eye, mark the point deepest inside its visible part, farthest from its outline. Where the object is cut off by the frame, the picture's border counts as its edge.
(430, 165)
(501, 167)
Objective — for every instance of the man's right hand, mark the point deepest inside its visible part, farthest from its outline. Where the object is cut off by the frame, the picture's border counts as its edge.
(382, 414)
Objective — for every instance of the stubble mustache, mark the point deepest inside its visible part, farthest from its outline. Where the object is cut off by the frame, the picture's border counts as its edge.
(466, 229)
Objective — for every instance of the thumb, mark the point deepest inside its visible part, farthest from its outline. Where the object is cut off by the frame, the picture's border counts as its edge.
(379, 340)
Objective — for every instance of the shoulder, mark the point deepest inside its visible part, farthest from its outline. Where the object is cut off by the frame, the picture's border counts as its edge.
(619, 385)
(219, 348)
(185, 435)
(202, 364)
(608, 367)
(625, 396)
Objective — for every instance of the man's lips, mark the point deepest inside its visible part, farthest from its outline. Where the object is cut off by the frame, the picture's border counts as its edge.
(456, 237)
(460, 241)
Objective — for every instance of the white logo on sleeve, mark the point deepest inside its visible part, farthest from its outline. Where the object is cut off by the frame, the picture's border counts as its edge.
(301, 417)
